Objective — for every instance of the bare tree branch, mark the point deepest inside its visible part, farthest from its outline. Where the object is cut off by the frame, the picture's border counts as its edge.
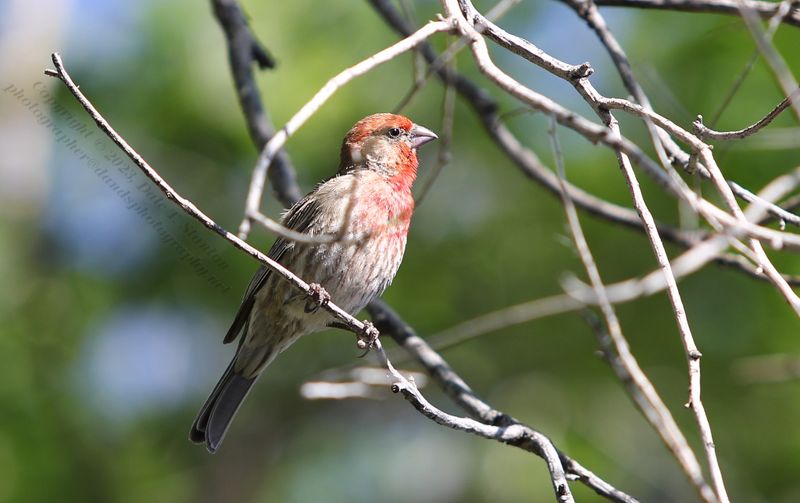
(186, 205)
(776, 63)
(440, 371)
(243, 50)
(626, 152)
(662, 142)
(763, 9)
(618, 353)
(709, 134)
(596, 134)
(487, 111)
(735, 237)
(510, 434)
(693, 354)
(276, 142)
(774, 23)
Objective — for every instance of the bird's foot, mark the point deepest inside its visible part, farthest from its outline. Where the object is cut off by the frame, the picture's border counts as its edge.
(318, 298)
(367, 337)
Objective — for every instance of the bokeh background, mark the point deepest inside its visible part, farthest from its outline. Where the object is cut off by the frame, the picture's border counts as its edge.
(113, 304)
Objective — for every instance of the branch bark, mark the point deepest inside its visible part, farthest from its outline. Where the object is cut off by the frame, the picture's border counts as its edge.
(529, 439)
(274, 145)
(487, 111)
(189, 207)
(244, 50)
(764, 9)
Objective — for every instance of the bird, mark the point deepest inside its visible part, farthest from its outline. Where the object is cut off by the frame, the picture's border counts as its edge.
(367, 205)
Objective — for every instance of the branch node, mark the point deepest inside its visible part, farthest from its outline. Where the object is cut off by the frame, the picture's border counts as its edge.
(581, 71)
(262, 57)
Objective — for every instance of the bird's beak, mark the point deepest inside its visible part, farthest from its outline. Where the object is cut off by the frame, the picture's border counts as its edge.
(420, 136)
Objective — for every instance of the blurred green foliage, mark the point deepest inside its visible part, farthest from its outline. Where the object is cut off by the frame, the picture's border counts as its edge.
(111, 335)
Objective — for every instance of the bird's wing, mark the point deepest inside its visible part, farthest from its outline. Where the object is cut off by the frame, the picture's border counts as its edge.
(298, 218)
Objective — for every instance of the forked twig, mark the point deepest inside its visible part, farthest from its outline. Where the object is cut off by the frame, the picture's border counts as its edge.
(619, 355)
(511, 434)
(189, 207)
(274, 145)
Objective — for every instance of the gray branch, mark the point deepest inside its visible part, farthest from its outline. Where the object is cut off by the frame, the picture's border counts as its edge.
(764, 9)
(244, 49)
(524, 437)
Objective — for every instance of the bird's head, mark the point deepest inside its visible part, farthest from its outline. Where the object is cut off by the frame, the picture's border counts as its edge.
(387, 144)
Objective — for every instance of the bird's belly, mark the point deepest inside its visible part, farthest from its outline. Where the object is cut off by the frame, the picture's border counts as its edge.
(354, 273)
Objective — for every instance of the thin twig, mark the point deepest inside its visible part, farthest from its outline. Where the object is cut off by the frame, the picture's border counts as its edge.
(763, 9)
(692, 353)
(299, 237)
(487, 111)
(775, 190)
(589, 11)
(776, 63)
(244, 49)
(448, 55)
(445, 139)
(531, 440)
(774, 22)
(780, 213)
(618, 353)
(355, 382)
(513, 435)
(189, 207)
(661, 141)
(591, 131)
(269, 151)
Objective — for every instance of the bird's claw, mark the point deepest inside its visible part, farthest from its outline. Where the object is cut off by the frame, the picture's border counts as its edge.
(318, 297)
(367, 337)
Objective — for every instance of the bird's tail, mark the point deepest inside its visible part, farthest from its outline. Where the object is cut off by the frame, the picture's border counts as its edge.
(217, 413)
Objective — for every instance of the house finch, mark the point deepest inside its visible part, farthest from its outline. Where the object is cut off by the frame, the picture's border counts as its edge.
(368, 203)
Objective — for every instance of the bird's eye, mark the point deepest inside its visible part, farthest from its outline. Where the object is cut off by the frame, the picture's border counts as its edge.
(394, 132)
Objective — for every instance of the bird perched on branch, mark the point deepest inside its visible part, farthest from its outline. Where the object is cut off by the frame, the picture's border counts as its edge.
(367, 205)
